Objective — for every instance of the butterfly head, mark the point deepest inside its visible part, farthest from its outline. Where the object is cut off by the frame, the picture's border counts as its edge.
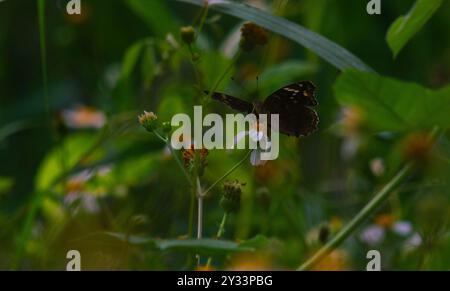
(258, 107)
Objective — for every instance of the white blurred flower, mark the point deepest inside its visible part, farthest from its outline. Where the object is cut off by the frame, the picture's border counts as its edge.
(413, 242)
(373, 235)
(377, 167)
(84, 117)
(402, 227)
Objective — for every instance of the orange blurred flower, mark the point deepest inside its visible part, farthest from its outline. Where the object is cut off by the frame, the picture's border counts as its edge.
(335, 261)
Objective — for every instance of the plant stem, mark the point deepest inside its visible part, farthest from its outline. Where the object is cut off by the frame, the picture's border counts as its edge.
(340, 237)
(220, 232)
(203, 19)
(191, 213)
(200, 197)
(200, 218)
(227, 173)
(224, 74)
(200, 210)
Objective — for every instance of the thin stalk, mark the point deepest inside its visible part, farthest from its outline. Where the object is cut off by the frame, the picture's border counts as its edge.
(203, 19)
(174, 155)
(340, 237)
(43, 48)
(200, 218)
(191, 213)
(200, 198)
(220, 232)
(379, 198)
(36, 201)
(224, 74)
(224, 176)
(179, 163)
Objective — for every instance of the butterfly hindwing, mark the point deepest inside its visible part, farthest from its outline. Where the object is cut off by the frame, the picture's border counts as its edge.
(233, 102)
(292, 103)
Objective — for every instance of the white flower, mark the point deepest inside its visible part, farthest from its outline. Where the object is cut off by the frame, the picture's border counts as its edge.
(402, 228)
(257, 135)
(373, 235)
(413, 242)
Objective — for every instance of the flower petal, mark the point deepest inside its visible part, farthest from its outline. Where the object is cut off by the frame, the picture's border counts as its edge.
(255, 158)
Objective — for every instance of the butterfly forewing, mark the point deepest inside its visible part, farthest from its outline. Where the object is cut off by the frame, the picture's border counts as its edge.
(233, 102)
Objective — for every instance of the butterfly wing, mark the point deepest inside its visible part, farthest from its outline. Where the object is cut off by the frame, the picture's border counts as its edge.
(293, 103)
(233, 102)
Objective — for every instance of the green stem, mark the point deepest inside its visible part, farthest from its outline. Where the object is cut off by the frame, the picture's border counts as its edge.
(35, 204)
(221, 77)
(43, 47)
(340, 237)
(191, 213)
(220, 232)
(200, 210)
(227, 173)
(180, 164)
(203, 19)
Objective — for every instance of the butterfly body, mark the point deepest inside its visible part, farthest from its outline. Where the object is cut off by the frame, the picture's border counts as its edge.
(292, 103)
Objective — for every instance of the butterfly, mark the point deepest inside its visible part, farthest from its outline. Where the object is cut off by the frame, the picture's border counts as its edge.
(292, 103)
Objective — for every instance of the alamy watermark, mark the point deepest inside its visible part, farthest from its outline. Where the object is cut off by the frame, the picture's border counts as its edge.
(374, 7)
(262, 130)
(74, 258)
(375, 260)
(73, 7)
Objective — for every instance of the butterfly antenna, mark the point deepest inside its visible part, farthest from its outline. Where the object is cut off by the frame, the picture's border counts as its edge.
(240, 86)
(257, 84)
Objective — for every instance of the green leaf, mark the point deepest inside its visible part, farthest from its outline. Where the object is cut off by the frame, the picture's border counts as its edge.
(405, 27)
(201, 246)
(391, 105)
(323, 47)
(257, 242)
(131, 58)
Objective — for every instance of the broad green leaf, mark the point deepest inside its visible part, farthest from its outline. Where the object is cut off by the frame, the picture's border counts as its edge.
(406, 26)
(201, 246)
(391, 105)
(323, 47)
(155, 14)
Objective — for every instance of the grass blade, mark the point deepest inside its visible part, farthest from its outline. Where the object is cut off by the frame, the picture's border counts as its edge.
(323, 47)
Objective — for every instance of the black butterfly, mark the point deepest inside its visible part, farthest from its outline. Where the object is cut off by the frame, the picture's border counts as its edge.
(293, 104)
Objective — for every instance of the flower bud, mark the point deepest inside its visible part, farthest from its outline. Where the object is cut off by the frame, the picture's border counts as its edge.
(231, 199)
(193, 157)
(148, 120)
(252, 35)
(417, 148)
(166, 127)
(187, 34)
